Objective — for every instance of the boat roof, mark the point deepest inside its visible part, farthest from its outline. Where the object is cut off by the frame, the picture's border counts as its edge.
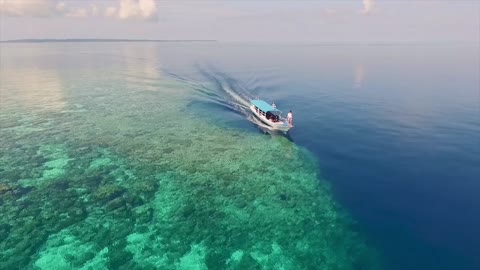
(264, 106)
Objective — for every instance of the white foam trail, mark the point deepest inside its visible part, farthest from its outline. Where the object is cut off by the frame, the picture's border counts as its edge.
(237, 101)
(236, 97)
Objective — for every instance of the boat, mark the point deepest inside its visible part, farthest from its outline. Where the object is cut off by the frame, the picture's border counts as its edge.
(269, 115)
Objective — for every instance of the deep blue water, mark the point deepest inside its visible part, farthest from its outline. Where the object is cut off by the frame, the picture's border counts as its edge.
(396, 130)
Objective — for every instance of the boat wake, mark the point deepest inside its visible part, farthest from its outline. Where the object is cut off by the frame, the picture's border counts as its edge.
(223, 90)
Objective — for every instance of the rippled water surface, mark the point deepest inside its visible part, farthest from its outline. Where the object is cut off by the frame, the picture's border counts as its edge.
(143, 156)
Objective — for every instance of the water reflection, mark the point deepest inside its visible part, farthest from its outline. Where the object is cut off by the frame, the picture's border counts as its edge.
(141, 66)
(359, 76)
(34, 88)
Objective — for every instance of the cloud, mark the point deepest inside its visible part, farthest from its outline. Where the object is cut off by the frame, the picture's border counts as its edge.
(124, 9)
(369, 6)
(137, 9)
(35, 8)
(77, 13)
(110, 12)
(62, 9)
(93, 10)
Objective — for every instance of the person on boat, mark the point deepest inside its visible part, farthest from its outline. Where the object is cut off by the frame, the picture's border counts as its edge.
(290, 118)
(273, 105)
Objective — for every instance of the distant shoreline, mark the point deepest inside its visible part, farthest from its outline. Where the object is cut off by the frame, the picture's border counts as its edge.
(100, 40)
(94, 40)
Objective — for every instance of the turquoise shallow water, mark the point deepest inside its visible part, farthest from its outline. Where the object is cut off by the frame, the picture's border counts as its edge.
(110, 162)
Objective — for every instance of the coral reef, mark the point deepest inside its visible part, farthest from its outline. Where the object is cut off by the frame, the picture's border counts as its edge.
(117, 185)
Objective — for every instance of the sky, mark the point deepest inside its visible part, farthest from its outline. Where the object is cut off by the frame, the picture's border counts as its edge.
(340, 21)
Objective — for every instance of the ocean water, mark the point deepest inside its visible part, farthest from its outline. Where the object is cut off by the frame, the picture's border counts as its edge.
(143, 156)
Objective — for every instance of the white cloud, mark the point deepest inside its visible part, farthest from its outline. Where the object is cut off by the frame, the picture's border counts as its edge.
(369, 6)
(60, 7)
(93, 10)
(110, 12)
(124, 9)
(35, 8)
(77, 13)
(137, 9)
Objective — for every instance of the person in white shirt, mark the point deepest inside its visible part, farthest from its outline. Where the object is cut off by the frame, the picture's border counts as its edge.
(290, 118)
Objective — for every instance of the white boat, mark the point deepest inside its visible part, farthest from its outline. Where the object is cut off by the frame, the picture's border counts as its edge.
(269, 115)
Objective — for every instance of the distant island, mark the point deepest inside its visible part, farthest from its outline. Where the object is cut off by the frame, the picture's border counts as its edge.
(101, 40)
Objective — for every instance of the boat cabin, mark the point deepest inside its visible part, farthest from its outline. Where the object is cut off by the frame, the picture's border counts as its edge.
(266, 110)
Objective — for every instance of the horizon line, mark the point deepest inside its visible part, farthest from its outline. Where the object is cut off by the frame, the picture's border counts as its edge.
(46, 40)
(65, 40)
